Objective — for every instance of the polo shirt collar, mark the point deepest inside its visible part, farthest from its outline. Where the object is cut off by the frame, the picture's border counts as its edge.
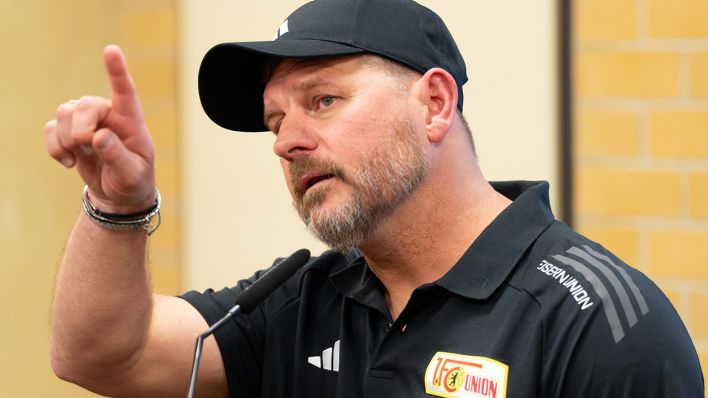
(493, 255)
(487, 262)
(358, 282)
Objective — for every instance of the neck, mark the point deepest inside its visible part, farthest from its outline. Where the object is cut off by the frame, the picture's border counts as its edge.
(424, 238)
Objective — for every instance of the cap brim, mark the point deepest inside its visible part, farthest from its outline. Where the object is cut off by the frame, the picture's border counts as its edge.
(231, 77)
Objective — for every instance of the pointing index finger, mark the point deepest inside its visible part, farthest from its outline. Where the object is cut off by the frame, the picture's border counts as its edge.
(123, 96)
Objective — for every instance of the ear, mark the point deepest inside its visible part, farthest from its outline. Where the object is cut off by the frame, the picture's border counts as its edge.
(439, 96)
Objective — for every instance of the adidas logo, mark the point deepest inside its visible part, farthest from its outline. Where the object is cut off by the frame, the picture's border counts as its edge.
(283, 29)
(329, 360)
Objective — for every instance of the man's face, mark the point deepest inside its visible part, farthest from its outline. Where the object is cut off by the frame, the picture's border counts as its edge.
(350, 151)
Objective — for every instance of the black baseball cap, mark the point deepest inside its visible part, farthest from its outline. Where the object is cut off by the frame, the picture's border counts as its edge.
(231, 74)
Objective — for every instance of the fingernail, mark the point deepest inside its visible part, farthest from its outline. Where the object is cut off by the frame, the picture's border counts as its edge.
(67, 161)
(86, 150)
(102, 145)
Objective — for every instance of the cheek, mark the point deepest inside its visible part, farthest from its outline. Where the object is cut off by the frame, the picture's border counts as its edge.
(366, 120)
(286, 174)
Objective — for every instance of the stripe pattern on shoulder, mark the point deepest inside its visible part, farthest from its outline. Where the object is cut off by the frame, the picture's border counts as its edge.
(614, 282)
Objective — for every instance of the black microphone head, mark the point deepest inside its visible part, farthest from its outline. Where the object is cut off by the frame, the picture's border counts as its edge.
(266, 284)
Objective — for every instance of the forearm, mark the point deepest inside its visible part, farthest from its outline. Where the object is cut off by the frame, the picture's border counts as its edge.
(102, 302)
(109, 333)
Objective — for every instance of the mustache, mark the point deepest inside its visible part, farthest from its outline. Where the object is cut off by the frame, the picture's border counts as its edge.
(304, 165)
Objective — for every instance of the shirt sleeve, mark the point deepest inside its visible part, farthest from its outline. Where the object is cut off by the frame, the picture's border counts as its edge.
(608, 330)
(240, 340)
(654, 357)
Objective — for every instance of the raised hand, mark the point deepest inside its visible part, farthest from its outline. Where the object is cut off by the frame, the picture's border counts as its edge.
(108, 142)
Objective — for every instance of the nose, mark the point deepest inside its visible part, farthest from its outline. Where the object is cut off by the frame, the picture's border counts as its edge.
(295, 137)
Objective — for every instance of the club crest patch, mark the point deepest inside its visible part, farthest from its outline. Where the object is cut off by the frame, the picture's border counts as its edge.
(455, 375)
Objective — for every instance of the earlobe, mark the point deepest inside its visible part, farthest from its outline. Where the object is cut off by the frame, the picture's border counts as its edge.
(440, 97)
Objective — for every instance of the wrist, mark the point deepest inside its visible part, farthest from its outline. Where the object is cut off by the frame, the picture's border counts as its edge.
(135, 221)
(127, 207)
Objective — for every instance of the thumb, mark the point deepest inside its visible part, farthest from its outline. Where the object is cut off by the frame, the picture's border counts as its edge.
(126, 177)
(126, 168)
(109, 148)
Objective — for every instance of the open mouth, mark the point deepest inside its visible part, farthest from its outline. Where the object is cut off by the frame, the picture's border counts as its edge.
(315, 180)
(311, 179)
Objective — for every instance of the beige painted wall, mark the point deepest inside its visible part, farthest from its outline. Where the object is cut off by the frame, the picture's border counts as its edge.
(237, 213)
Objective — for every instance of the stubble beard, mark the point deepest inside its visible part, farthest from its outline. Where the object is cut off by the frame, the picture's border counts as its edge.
(382, 182)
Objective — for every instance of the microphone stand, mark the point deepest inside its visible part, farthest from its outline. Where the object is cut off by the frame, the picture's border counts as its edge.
(200, 342)
(247, 301)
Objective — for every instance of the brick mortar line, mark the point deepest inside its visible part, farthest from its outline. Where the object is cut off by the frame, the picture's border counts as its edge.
(647, 224)
(642, 19)
(681, 284)
(701, 347)
(666, 164)
(675, 225)
(642, 45)
(636, 104)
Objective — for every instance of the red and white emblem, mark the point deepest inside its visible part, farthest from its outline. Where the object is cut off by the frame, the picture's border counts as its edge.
(455, 375)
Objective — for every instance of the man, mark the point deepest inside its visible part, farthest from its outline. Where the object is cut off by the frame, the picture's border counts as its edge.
(439, 284)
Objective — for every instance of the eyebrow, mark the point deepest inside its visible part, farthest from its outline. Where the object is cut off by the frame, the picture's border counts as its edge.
(309, 84)
(306, 85)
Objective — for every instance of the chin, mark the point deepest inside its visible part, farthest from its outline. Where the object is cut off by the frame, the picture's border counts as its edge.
(324, 197)
(323, 210)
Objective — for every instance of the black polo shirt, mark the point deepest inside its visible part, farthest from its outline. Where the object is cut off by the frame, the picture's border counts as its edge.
(531, 309)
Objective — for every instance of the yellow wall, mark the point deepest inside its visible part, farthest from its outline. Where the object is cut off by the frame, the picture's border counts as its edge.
(642, 142)
(51, 52)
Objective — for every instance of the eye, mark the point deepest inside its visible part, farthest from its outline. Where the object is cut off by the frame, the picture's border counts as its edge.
(272, 120)
(276, 129)
(326, 101)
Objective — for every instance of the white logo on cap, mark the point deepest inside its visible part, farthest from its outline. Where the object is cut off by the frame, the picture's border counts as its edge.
(283, 29)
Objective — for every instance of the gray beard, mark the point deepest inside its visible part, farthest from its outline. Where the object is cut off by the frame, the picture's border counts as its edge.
(383, 181)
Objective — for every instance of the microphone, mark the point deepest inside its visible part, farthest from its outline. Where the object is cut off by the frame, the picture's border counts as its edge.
(248, 300)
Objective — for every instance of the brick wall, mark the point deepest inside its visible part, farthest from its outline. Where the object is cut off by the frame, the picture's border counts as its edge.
(641, 106)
